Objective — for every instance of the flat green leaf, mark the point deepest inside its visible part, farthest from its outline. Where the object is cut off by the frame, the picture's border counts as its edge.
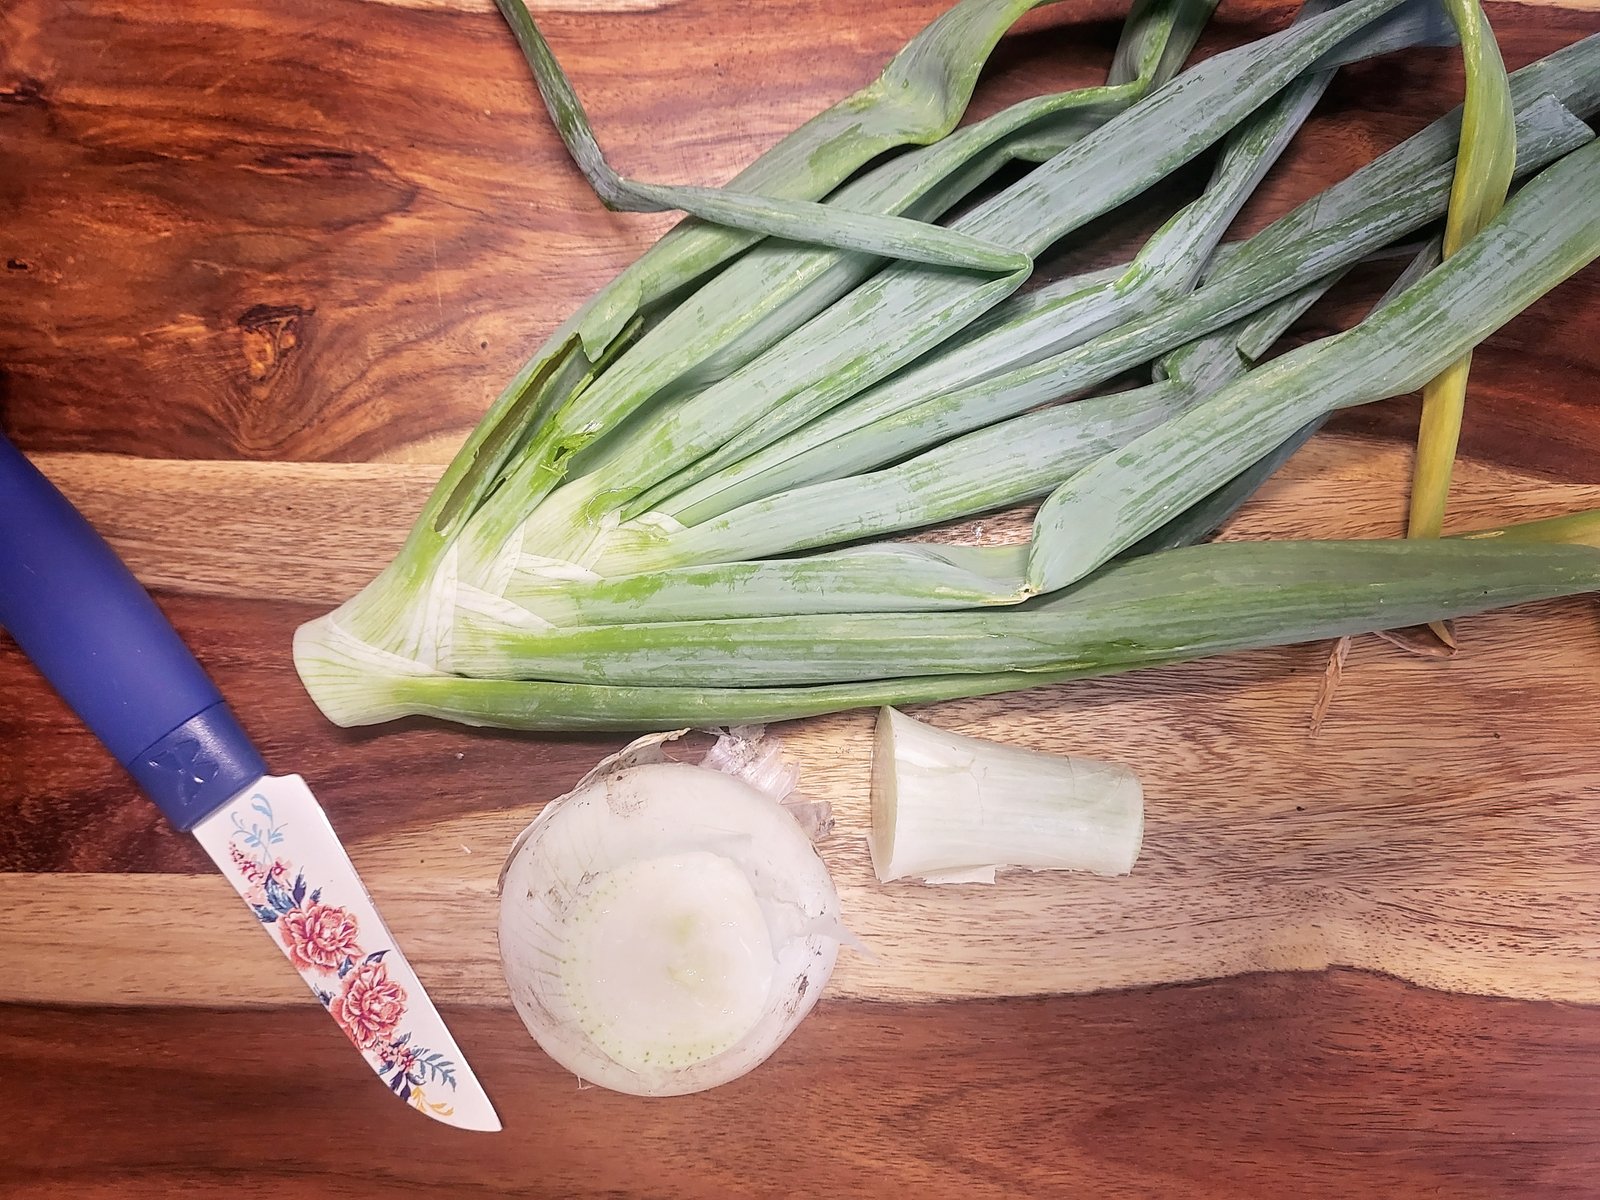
(1550, 230)
(801, 221)
(1484, 168)
(1161, 608)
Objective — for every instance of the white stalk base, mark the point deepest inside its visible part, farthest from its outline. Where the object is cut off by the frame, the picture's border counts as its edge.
(950, 809)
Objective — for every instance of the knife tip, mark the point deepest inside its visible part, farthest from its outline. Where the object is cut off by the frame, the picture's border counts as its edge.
(477, 1119)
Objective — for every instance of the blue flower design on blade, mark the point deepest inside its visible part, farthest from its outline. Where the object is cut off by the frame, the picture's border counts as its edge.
(256, 836)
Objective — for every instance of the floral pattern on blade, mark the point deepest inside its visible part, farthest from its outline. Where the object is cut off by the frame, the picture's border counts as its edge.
(324, 943)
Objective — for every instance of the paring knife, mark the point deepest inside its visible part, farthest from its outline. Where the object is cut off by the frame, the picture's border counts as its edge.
(96, 635)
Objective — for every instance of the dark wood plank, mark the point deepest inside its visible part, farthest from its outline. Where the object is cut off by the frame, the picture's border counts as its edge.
(317, 230)
(1333, 1085)
(331, 229)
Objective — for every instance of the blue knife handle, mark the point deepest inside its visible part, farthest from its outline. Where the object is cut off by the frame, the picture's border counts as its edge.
(96, 635)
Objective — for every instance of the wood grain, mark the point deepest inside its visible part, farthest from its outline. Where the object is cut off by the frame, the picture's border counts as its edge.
(1442, 828)
(269, 263)
(283, 531)
(1331, 1086)
(331, 231)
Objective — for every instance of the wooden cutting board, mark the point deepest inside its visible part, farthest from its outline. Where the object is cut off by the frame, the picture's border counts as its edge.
(1441, 827)
(269, 264)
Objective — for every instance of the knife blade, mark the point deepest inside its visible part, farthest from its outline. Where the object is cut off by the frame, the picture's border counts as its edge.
(96, 635)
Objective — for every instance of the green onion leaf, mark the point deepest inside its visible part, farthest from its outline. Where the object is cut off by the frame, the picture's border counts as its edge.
(1484, 168)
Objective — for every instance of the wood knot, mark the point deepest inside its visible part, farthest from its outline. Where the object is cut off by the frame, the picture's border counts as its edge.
(271, 332)
(313, 160)
(26, 92)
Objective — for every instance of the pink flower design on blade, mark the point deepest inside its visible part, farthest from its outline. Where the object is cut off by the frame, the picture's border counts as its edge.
(319, 937)
(245, 866)
(370, 1005)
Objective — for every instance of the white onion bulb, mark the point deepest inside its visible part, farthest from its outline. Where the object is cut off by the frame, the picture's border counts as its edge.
(664, 927)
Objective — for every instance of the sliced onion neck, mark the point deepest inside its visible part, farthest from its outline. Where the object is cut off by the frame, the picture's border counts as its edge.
(949, 808)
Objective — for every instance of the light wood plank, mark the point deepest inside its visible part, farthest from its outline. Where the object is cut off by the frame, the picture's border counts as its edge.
(1443, 828)
(318, 531)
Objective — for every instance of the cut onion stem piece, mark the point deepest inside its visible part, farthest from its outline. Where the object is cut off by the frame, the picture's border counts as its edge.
(948, 808)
